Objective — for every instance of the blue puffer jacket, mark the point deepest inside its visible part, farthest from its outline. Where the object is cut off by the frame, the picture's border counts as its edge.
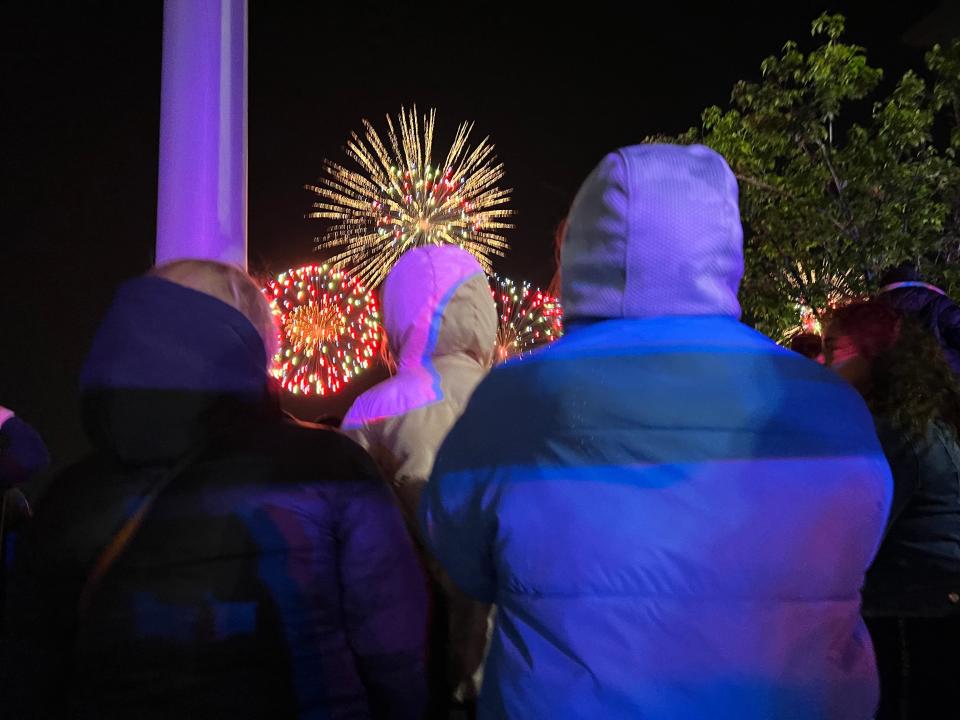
(673, 515)
(272, 578)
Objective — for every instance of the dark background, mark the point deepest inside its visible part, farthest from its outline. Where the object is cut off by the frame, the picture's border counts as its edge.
(555, 90)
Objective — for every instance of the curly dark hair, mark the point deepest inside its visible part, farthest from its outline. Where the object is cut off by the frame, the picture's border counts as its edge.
(810, 345)
(912, 384)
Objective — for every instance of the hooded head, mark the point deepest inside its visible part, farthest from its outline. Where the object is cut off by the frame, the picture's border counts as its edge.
(654, 231)
(178, 351)
(436, 302)
(904, 272)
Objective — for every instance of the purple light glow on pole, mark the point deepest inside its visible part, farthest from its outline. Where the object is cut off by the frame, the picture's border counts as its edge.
(202, 194)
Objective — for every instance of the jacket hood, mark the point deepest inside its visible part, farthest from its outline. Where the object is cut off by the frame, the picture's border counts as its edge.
(168, 365)
(437, 301)
(654, 231)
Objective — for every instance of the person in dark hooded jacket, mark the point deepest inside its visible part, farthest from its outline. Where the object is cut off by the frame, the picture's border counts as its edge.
(904, 290)
(211, 558)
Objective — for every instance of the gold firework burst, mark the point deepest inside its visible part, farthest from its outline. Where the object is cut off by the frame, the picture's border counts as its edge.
(308, 325)
(398, 198)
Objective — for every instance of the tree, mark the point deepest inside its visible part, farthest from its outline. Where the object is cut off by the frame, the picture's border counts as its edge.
(828, 204)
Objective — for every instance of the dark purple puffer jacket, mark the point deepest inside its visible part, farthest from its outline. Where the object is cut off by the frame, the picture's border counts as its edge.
(273, 577)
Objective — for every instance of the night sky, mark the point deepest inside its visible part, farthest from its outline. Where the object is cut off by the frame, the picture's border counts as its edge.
(79, 99)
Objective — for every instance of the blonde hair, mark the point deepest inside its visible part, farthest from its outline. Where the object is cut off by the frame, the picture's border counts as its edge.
(229, 284)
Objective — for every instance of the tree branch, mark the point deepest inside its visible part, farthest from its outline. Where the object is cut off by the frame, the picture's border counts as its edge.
(760, 185)
(841, 199)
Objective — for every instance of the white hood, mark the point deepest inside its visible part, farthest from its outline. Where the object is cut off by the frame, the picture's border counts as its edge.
(436, 302)
(654, 231)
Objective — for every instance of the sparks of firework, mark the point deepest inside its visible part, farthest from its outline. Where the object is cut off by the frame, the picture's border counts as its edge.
(329, 329)
(528, 317)
(809, 323)
(835, 286)
(397, 198)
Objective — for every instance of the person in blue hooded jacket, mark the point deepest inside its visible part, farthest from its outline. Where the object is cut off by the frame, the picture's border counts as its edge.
(673, 514)
(211, 557)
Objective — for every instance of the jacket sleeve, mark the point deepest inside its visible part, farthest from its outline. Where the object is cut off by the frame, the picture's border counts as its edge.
(387, 457)
(457, 516)
(948, 321)
(384, 599)
(22, 452)
(354, 426)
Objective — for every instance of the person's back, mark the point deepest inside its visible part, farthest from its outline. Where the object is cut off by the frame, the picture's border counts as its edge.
(441, 323)
(664, 533)
(271, 576)
(917, 570)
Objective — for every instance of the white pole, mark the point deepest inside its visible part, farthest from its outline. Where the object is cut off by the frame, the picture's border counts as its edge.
(202, 191)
